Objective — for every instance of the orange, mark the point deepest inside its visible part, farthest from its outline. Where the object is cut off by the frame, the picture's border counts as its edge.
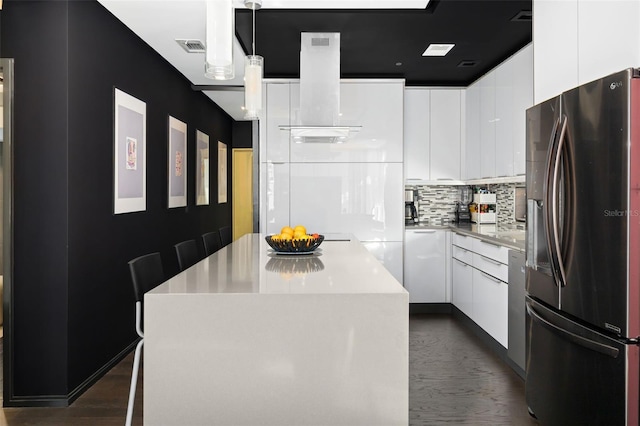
(298, 234)
(286, 237)
(300, 228)
(286, 230)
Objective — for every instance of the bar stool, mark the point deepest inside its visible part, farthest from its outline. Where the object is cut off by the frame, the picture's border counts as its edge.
(146, 274)
(187, 253)
(211, 242)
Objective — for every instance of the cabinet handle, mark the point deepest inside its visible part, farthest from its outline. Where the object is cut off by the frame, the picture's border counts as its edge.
(444, 179)
(495, 262)
(490, 243)
(427, 231)
(464, 250)
(491, 277)
(460, 262)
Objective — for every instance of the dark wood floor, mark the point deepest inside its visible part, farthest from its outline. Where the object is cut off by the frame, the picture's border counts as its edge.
(453, 380)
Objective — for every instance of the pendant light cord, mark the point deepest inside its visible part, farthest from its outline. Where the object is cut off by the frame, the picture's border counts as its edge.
(253, 44)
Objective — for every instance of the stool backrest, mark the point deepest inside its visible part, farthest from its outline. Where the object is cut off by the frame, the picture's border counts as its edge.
(187, 253)
(146, 274)
(225, 235)
(211, 242)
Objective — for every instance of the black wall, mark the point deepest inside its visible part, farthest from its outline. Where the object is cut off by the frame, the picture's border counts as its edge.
(73, 307)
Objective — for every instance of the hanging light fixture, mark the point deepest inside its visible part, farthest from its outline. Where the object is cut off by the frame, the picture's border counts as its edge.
(220, 19)
(253, 71)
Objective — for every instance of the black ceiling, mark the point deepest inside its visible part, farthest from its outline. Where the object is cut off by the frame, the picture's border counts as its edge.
(373, 41)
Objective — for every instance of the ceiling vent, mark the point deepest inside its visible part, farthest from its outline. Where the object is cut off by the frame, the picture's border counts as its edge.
(523, 16)
(467, 64)
(191, 46)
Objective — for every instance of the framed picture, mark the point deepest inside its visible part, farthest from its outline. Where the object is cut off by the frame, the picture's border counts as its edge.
(222, 173)
(177, 163)
(202, 168)
(129, 153)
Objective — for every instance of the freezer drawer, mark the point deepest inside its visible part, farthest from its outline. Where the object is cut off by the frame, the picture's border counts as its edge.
(577, 376)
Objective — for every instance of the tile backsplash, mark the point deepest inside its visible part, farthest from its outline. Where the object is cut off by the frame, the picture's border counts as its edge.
(436, 203)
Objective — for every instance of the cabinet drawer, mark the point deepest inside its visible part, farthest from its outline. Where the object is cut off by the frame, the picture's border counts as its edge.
(464, 241)
(492, 251)
(461, 254)
(491, 267)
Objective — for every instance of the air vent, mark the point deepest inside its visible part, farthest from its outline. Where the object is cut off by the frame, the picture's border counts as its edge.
(191, 46)
(523, 16)
(467, 64)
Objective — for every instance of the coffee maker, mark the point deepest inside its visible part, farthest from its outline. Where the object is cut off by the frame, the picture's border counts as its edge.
(462, 207)
(410, 212)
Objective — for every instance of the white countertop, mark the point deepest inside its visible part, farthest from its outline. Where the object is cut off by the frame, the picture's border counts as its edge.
(249, 266)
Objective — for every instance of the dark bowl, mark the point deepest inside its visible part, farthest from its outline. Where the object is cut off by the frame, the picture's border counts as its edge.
(294, 246)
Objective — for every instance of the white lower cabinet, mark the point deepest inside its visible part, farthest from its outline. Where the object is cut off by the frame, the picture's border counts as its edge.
(490, 305)
(461, 280)
(425, 265)
(479, 284)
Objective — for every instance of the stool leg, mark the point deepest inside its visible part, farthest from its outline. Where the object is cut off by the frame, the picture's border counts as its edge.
(134, 382)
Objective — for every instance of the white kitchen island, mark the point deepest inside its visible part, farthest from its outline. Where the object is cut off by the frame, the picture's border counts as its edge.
(249, 337)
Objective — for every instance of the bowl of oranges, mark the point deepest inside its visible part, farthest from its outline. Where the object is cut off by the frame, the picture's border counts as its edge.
(294, 240)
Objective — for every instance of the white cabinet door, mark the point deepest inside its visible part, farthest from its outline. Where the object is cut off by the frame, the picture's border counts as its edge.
(555, 46)
(389, 253)
(522, 99)
(445, 134)
(472, 141)
(378, 108)
(424, 265)
(504, 118)
(488, 125)
(462, 282)
(490, 305)
(277, 114)
(275, 203)
(608, 38)
(416, 133)
(364, 199)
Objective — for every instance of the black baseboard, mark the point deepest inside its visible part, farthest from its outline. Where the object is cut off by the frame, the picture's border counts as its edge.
(430, 308)
(66, 400)
(489, 341)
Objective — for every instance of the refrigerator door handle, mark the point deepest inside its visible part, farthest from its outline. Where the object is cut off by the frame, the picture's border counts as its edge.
(555, 211)
(547, 196)
(572, 337)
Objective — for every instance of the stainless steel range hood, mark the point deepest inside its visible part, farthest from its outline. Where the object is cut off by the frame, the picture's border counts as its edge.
(320, 92)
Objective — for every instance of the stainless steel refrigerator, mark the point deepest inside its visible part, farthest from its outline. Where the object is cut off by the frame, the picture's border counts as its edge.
(583, 254)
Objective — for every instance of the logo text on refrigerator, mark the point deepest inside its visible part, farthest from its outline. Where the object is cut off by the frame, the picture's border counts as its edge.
(615, 84)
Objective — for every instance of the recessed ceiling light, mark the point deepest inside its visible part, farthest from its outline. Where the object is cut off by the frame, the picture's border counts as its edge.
(438, 49)
(398, 64)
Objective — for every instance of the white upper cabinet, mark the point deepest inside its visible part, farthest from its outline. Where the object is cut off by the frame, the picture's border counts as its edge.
(277, 114)
(608, 38)
(496, 105)
(487, 86)
(472, 141)
(377, 107)
(432, 134)
(416, 133)
(577, 41)
(522, 99)
(555, 44)
(504, 119)
(445, 134)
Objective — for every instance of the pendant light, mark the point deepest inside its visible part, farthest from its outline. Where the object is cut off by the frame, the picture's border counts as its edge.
(253, 71)
(220, 31)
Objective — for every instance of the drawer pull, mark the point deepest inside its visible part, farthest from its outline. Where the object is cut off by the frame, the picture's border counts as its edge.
(491, 243)
(432, 231)
(460, 262)
(495, 262)
(491, 277)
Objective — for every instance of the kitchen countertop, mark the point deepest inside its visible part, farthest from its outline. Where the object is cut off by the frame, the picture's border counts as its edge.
(511, 236)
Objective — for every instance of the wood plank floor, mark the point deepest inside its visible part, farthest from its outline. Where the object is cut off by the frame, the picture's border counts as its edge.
(453, 379)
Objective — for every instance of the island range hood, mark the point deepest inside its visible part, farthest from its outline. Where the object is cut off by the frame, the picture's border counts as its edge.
(319, 116)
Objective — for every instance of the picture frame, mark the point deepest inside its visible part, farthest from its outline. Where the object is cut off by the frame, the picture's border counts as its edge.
(177, 163)
(222, 173)
(129, 153)
(201, 168)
